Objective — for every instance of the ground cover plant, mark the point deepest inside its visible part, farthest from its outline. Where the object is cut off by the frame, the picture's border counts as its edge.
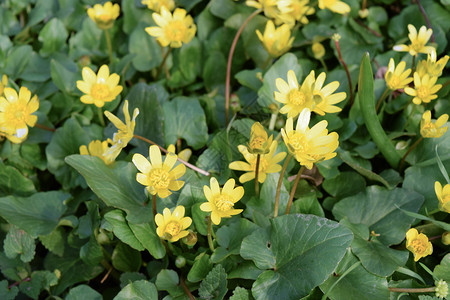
(188, 149)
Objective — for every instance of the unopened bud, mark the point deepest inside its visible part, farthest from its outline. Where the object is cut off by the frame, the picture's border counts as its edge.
(180, 261)
(363, 13)
(318, 50)
(273, 107)
(446, 238)
(85, 61)
(235, 103)
(190, 239)
(336, 37)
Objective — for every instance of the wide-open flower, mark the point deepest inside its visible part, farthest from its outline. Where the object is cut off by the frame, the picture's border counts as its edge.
(172, 30)
(295, 10)
(156, 5)
(396, 77)
(431, 66)
(171, 226)
(309, 145)
(97, 148)
(16, 113)
(443, 195)
(324, 97)
(268, 163)
(429, 129)
(294, 97)
(104, 15)
(336, 6)
(276, 41)
(99, 88)
(418, 41)
(159, 178)
(259, 142)
(3, 84)
(221, 201)
(418, 244)
(424, 90)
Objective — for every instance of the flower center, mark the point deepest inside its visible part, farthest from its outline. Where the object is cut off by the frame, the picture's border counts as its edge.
(445, 198)
(175, 31)
(418, 246)
(159, 179)
(15, 114)
(298, 142)
(257, 142)
(417, 46)
(223, 202)
(105, 17)
(173, 228)
(394, 82)
(423, 92)
(99, 91)
(297, 97)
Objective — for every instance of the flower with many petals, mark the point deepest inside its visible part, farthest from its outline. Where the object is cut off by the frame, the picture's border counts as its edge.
(309, 145)
(171, 226)
(425, 89)
(97, 148)
(271, 10)
(3, 84)
(221, 201)
(158, 177)
(172, 30)
(259, 142)
(336, 6)
(268, 163)
(324, 97)
(431, 66)
(104, 15)
(418, 244)
(443, 195)
(156, 5)
(295, 10)
(418, 41)
(276, 41)
(396, 77)
(16, 113)
(429, 129)
(99, 88)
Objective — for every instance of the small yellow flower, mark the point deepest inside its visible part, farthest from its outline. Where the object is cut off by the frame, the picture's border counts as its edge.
(125, 131)
(268, 163)
(429, 129)
(171, 226)
(318, 50)
(276, 41)
(309, 145)
(3, 84)
(159, 178)
(173, 30)
(294, 97)
(270, 8)
(156, 5)
(99, 88)
(336, 6)
(396, 77)
(418, 41)
(221, 201)
(424, 90)
(418, 244)
(443, 195)
(16, 113)
(324, 97)
(259, 141)
(104, 15)
(430, 66)
(184, 154)
(295, 10)
(97, 148)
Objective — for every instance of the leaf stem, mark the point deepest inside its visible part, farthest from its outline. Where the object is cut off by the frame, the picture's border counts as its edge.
(352, 267)
(385, 94)
(258, 160)
(424, 14)
(230, 60)
(154, 206)
(40, 126)
(413, 146)
(166, 55)
(294, 187)
(185, 288)
(413, 290)
(108, 43)
(100, 116)
(280, 181)
(210, 241)
(346, 71)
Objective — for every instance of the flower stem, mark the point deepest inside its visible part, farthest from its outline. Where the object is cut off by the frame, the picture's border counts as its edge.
(346, 71)
(210, 241)
(166, 55)
(154, 205)
(413, 290)
(324, 65)
(385, 94)
(40, 126)
(273, 120)
(258, 160)
(424, 14)
(413, 146)
(294, 187)
(108, 43)
(186, 289)
(100, 116)
(280, 181)
(230, 60)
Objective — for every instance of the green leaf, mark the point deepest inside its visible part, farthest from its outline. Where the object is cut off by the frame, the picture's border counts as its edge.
(201, 267)
(8, 293)
(40, 280)
(132, 15)
(83, 292)
(12, 182)
(129, 277)
(14, 269)
(38, 214)
(19, 242)
(17, 60)
(184, 118)
(217, 157)
(245, 270)
(54, 241)
(305, 245)
(116, 185)
(442, 271)
(126, 259)
(443, 225)
(378, 209)
(240, 294)
(62, 77)
(146, 49)
(53, 37)
(146, 234)
(122, 229)
(215, 284)
(91, 253)
(138, 290)
(337, 186)
(167, 280)
(214, 71)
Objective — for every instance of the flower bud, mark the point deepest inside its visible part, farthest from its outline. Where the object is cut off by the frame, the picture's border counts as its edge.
(180, 261)
(446, 238)
(191, 239)
(318, 50)
(259, 141)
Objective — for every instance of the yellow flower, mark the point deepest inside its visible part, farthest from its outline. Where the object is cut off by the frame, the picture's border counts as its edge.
(295, 10)
(443, 195)
(268, 163)
(336, 6)
(270, 8)
(3, 84)
(159, 178)
(396, 77)
(429, 129)
(16, 113)
(99, 88)
(156, 5)
(418, 41)
(324, 97)
(173, 30)
(430, 66)
(184, 154)
(104, 15)
(125, 131)
(309, 145)
(276, 41)
(318, 50)
(171, 225)
(418, 244)
(294, 97)
(221, 201)
(424, 90)
(259, 141)
(97, 148)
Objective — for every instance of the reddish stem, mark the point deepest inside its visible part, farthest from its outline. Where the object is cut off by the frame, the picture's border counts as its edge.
(346, 71)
